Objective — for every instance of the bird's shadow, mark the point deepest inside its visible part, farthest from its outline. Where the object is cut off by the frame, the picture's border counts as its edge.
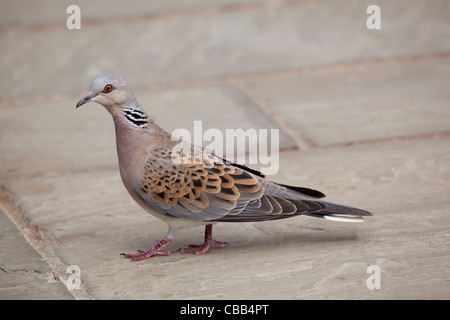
(301, 236)
(319, 237)
(269, 240)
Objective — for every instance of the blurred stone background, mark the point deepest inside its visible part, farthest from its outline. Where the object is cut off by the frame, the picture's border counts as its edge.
(364, 116)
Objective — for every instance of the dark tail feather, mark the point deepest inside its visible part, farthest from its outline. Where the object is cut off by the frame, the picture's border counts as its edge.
(338, 212)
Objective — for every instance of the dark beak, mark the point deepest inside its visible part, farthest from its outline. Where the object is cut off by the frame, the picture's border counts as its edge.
(86, 99)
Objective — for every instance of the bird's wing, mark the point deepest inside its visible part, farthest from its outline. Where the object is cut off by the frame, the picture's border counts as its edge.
(194, 183)
(276, 202)
(191, 182)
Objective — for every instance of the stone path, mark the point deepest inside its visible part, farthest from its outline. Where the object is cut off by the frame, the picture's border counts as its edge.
(364, 116)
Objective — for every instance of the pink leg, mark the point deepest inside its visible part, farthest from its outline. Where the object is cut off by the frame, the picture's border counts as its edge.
(205, 246)
(141, 255)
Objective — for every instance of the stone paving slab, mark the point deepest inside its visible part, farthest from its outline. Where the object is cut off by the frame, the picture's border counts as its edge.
(374, 104)
(53, 139)
(291, 259)
(185, 49)
(202, 103)
(23, 273)
(22, 13)
(363, 103)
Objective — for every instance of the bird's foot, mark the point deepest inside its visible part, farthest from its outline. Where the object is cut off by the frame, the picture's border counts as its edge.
(142, 255)
(200, 249)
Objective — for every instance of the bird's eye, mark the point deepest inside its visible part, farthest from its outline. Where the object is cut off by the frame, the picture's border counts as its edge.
(108, 88)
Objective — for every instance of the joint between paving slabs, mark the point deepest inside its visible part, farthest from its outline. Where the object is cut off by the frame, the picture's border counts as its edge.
(44, 247)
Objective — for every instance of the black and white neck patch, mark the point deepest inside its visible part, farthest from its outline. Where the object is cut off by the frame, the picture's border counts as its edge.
(135, 116)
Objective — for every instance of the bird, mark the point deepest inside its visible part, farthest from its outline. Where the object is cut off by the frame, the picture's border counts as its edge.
(187, 186)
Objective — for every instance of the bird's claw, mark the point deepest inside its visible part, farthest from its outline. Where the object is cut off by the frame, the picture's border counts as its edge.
(142, 255)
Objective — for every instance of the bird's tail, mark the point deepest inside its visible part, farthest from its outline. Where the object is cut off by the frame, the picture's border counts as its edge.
(338, 212)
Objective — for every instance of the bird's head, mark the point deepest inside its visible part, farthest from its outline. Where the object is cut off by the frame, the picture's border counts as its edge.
(110, 91)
